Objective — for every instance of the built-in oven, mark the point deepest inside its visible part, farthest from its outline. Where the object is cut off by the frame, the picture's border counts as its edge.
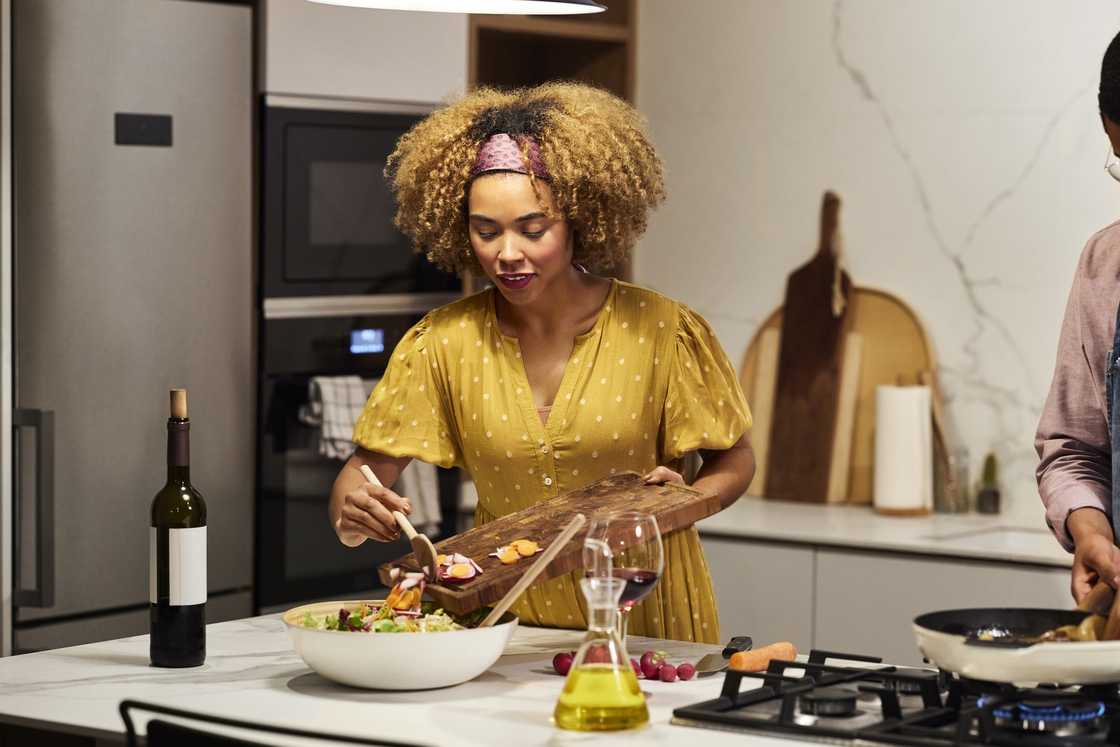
(298, 555)
(338, 287)
(327, 210)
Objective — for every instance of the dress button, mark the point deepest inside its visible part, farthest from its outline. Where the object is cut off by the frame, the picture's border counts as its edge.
(544, 449)
(547, 480)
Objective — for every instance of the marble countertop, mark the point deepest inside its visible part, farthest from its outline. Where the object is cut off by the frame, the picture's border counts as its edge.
(253, 674)
(974, 536)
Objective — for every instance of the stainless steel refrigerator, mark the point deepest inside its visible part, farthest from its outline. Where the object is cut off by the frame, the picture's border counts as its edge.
(131, 127)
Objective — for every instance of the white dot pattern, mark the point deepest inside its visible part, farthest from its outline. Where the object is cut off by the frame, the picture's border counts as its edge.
(649, 383)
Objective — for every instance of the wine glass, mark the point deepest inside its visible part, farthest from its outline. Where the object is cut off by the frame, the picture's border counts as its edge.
(625, 545)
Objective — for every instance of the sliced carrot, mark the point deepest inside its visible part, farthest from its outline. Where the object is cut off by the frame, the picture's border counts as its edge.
(525, 548)
(461, 570)
(759, 659)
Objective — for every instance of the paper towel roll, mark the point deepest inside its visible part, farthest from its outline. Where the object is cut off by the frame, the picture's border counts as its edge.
(903, 450)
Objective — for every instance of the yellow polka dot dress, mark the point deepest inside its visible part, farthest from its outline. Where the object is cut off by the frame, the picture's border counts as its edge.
(647, 384)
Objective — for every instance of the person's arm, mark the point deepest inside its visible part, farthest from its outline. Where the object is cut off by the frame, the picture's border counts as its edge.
(727, 473)
(1073, 444)
(359, 510)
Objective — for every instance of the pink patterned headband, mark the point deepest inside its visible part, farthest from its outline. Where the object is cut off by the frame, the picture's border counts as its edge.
(501, 153)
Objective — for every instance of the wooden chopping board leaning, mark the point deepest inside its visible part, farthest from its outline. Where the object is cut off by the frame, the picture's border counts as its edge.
(674, 507)
(885, 344)
(814, 325)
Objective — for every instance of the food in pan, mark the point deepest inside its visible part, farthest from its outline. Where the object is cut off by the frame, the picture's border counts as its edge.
(1090, 629)
(759, 659)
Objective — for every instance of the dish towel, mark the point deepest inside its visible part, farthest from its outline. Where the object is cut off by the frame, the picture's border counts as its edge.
(334, 404)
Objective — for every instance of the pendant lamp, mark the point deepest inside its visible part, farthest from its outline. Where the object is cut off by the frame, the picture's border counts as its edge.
(510, 7)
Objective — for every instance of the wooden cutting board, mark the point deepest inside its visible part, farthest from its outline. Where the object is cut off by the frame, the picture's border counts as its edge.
(814, 325)
(674, 506)
(895, 344)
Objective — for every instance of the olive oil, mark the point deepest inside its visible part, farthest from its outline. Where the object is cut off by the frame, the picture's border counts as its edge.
(601, 697)
(601, 692)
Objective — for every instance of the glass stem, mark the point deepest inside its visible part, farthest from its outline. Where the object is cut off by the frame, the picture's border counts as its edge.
(623, 624)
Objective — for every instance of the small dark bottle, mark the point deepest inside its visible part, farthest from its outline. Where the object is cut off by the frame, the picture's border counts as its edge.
(177, 554)
(988, 499)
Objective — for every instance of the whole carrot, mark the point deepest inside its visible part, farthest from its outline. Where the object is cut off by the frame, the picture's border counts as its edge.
(759, 659)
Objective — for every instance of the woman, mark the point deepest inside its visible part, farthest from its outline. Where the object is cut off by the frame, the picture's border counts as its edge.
(555, 377)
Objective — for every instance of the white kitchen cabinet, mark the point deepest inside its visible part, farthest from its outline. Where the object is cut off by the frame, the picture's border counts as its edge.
(326, 50)
(866, 602)
(763, 590)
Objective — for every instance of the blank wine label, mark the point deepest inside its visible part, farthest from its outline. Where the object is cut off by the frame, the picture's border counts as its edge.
(185, 566)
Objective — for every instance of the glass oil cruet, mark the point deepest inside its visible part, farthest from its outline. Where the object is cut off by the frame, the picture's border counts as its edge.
(601, 692)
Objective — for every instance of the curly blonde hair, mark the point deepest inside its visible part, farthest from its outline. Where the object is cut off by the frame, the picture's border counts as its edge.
(604, 173)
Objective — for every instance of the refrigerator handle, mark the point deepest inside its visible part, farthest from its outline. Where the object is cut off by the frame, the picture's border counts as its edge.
(43, 593)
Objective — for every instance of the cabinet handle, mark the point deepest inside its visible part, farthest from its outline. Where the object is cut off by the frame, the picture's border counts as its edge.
(42, 595)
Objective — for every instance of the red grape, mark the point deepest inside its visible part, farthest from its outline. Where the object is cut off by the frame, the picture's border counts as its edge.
(597, 654)
(668, 673)
(650, 669)
(562, 662)
(686, 671)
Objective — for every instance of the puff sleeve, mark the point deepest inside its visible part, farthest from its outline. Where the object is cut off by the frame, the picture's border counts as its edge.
(704, 404)
(408, 413)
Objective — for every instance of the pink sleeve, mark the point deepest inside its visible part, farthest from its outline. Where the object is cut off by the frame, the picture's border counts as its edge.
(1072, 438)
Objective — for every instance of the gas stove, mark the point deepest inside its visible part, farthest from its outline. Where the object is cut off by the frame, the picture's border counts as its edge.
(867, 703)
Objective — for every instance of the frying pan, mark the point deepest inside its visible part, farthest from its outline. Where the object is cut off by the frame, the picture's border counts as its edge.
(951, 639)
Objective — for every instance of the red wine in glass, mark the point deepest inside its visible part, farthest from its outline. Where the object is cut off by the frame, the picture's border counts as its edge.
(639, 583)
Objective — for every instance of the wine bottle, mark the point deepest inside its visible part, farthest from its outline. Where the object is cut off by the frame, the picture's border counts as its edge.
(177, 554)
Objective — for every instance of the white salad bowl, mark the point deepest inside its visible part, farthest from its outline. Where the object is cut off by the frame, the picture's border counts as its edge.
(396, 661)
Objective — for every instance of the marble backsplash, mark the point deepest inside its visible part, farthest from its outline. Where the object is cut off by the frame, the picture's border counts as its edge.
(964, 139)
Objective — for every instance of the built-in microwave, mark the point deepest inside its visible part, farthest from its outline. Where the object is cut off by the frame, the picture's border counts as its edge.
(327, 236)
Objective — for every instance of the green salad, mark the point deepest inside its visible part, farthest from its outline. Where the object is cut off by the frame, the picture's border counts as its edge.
(372, 618)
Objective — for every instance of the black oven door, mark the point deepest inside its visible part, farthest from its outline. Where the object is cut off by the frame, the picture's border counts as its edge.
(298, 556)
(327, 227)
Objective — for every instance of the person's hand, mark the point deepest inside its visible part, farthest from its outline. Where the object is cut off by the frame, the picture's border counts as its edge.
(1094, 558)
(1095, 555)
(367, 513)
(662, 475)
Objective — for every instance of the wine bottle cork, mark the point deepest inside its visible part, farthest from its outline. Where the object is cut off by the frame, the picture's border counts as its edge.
(179, 403)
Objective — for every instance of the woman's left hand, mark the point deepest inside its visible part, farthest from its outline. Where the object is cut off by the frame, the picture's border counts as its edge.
(662, 475)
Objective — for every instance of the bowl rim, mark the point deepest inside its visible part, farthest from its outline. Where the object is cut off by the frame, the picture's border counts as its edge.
(289, 618)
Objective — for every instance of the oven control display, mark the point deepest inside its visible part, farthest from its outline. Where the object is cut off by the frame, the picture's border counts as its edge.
(367, 341)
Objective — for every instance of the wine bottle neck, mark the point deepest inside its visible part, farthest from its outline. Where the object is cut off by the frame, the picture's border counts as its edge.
(178, 450)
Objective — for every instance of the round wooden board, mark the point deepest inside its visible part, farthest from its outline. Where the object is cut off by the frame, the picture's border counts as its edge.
(895, 348)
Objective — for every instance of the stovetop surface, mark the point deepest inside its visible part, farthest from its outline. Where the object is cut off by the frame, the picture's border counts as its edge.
(823, 700)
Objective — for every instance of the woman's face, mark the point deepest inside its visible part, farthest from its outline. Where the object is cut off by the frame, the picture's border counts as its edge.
(520, 248)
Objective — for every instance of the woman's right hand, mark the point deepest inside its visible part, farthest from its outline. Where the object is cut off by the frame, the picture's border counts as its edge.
(366, 513)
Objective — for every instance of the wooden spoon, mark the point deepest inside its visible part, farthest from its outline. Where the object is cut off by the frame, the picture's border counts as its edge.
(1102, 599)
(422, 546)
(535, 570)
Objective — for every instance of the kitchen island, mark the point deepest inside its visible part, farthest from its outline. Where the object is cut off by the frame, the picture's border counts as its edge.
(253, 674)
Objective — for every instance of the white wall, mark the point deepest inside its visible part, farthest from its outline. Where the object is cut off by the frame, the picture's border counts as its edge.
(963, 137)
(328, 50)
